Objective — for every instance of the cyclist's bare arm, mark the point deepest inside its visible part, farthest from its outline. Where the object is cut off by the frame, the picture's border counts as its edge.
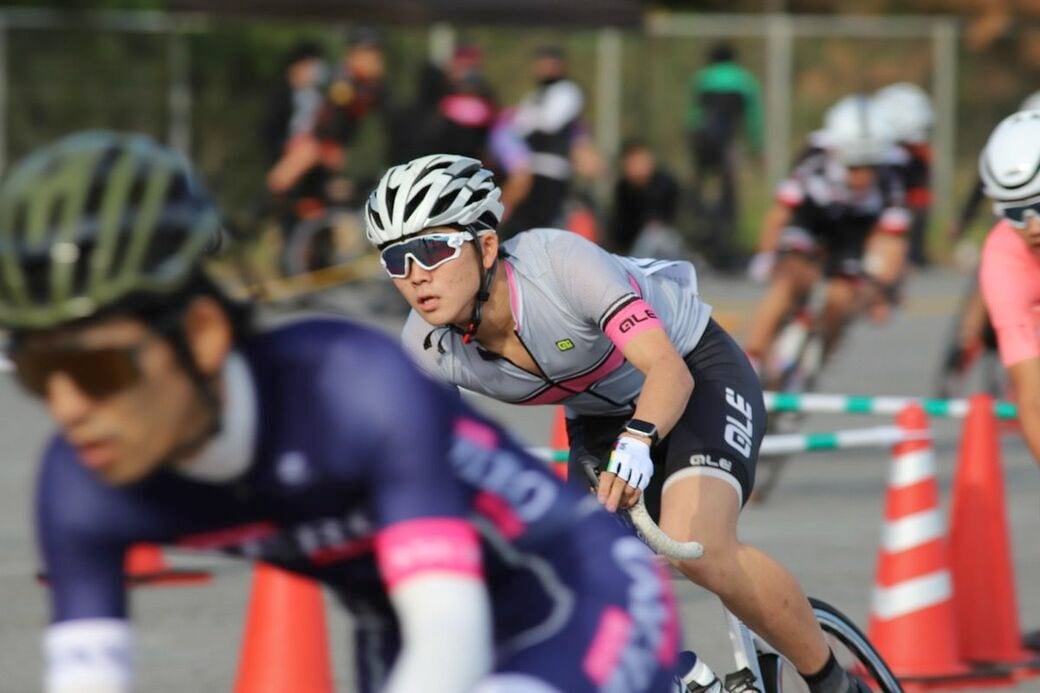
(1025, 378)
(776, 219)
(662, 400)
(885, 258)
(300, 156)
(668, 383)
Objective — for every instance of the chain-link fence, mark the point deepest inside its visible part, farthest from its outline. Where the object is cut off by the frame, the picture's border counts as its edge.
(202, 84)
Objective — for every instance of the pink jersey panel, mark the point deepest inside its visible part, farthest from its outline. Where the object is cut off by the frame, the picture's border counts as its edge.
(1010, 280)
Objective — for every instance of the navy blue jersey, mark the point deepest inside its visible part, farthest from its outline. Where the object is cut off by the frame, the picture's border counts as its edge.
(352, 445)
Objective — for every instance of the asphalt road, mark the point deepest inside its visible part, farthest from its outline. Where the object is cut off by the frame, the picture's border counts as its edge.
(823, 522)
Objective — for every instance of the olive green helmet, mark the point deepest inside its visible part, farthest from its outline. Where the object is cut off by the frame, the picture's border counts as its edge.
(99, 221)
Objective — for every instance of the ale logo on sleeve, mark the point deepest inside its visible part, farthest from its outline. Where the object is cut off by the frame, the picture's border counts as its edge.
(564, 345)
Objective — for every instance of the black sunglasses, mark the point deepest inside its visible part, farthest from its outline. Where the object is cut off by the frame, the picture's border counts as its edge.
(1017, 213)
(97, 372)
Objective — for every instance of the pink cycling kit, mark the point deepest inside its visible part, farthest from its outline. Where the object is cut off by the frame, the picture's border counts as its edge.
(1010, 279)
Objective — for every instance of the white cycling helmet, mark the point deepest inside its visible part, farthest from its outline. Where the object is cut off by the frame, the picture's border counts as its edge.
(1031, 102)
(435, 190)
(1010, 162)
(856, 133)
(907, 109)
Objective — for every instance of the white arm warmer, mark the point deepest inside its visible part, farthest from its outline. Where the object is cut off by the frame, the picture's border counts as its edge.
(446, 634)
(91, 655)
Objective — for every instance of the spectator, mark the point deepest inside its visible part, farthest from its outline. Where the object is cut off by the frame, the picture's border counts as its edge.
(548, 119)
(645, 195)
(323, 153)
(510, 158)
(724, 97)
(292, 108)
(465, 110)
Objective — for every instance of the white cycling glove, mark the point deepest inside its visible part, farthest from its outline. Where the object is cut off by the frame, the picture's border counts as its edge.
(630, 460)
(761, 266)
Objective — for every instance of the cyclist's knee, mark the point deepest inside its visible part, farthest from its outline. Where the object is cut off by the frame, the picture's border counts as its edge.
(795, 274)
(715, 570)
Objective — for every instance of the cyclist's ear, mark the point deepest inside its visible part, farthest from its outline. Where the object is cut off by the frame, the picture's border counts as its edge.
(488, 244)
(208, 330)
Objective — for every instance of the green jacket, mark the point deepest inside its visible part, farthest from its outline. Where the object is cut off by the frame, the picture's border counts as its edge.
(727, 77)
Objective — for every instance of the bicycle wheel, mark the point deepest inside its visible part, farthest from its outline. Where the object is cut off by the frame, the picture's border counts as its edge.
(851, 648)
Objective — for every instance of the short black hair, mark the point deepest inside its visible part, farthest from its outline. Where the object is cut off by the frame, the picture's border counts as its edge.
(550, 50)
(302, 50)
(722, 53)
(364, 36)
(632, 145)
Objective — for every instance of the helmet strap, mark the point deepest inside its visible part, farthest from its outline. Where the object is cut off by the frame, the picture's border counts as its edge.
(486, 278)
(204, 386)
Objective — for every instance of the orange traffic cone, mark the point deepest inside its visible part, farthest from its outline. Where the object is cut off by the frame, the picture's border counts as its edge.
(559, 441)
(983, 578)
(285, 645)
(145, 565)
(912, 619)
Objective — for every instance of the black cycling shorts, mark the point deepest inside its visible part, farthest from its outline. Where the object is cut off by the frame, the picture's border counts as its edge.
(839, 243)
(718, 434)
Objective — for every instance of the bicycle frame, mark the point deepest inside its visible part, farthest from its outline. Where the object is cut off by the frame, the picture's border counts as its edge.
(750, 651)
(746, 644)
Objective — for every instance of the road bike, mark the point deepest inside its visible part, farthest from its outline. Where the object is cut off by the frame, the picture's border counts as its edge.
(759, 667)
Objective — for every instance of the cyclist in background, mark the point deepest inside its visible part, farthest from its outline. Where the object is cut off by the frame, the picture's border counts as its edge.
(840, 215)
(724, 100)
(909, 112)
(1010, 270)
(652, 386)
(646, 196)
(317, 447)
(974, 334)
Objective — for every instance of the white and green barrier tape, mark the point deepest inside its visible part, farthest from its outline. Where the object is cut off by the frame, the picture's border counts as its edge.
(857, 404)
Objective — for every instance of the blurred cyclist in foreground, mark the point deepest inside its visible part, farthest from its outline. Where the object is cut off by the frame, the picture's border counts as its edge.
(317, 447)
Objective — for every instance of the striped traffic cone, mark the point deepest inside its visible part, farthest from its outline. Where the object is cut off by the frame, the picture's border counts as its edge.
(912, 620)
(983, 570)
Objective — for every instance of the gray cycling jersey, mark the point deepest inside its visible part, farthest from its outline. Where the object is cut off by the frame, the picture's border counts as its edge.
(575, 307)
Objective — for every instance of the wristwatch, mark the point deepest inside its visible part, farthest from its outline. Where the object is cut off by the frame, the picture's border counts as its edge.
(643, 428)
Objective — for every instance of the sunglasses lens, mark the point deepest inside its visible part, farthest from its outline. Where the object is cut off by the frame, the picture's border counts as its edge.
(395, 260)
(1018, 215)
(98, 373)
(429, 251)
